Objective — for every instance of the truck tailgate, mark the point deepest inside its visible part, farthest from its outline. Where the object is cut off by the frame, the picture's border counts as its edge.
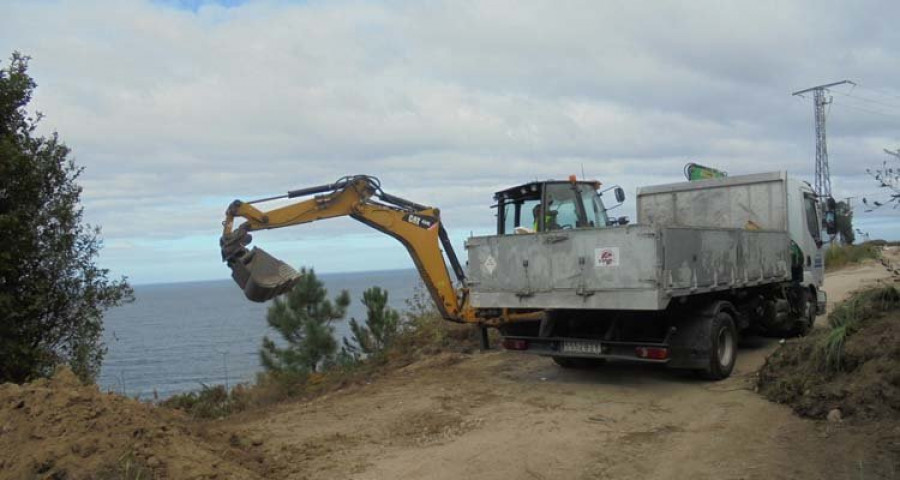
(615, 268)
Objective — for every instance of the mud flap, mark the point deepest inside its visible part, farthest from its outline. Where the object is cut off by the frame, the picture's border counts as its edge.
(690, 343)
(260, 275)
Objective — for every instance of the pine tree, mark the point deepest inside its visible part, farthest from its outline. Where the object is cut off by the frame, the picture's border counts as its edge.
(303, 318)
(843, 220)
(382, 325)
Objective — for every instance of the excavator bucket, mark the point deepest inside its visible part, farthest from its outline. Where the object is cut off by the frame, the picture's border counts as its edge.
(260, 275)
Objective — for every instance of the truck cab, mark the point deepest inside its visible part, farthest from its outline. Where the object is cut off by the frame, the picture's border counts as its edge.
(805, 230)
(554, 205)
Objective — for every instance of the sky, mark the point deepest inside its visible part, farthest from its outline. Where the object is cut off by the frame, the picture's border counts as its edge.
(175, 108)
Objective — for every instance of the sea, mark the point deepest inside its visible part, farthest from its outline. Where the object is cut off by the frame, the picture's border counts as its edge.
(179, 337)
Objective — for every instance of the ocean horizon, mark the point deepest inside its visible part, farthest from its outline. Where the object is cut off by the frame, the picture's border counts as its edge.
(177, 337)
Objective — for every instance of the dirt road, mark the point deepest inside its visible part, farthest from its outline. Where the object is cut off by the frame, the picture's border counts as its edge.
(502, 415)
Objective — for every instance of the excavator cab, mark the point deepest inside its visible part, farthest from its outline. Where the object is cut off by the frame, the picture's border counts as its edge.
(554, 205)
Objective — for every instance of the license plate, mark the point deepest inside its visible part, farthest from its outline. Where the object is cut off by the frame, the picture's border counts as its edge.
(591, 348)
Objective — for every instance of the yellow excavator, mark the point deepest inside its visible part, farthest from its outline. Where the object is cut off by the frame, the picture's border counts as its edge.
(417, 227)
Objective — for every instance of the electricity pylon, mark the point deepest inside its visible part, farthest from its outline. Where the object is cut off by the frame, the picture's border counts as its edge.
(823, 176)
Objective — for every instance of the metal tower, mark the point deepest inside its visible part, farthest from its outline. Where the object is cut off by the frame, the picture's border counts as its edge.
(823, 176)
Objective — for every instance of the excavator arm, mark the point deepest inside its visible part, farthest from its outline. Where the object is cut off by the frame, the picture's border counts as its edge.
(417, 227)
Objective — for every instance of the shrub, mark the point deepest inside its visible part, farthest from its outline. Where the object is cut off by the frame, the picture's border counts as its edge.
(847, 317)
(838, 256)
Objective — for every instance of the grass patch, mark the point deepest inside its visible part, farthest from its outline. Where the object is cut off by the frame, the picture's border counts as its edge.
(127, 467)
(210, 402)
(847, 318)
(839, 256)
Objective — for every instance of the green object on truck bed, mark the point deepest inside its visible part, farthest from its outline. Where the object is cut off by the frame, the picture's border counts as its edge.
(695, 171)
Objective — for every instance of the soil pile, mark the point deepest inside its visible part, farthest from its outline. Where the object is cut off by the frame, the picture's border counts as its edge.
(59, 428)
(861, 379)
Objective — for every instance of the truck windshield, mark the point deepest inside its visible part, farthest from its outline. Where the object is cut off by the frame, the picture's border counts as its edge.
(562, 207)
(564, 210)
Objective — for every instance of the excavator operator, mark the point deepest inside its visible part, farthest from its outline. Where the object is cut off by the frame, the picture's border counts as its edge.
(549, 219)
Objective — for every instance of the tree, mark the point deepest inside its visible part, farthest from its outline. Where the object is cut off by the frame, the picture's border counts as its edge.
(381, 328)
(888, 178)
(303, 318)
(52, 295)
(843, 219)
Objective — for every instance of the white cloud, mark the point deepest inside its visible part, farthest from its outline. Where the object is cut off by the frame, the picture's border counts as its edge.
(175, 112)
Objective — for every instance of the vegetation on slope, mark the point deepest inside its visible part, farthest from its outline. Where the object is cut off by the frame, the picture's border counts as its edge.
(840, 256)
(387, 341)
(853, 365)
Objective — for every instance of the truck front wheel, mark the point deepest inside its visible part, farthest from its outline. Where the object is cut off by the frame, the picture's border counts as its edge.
(722, 347)
(807, 316)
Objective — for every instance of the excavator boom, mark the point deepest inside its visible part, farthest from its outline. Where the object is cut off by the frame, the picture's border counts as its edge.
(418, 227)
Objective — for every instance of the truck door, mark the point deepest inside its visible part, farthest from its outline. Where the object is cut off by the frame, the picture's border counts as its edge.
(813, 258)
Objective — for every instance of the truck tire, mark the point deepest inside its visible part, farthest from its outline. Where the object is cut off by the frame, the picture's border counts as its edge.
(578, 363)
(807, 319)
(723, 343)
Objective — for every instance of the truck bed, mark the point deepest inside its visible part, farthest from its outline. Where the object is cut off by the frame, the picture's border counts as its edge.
(636, 267)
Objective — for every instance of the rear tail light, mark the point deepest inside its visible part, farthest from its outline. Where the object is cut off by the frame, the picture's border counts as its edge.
(652, 353)
(513, 344)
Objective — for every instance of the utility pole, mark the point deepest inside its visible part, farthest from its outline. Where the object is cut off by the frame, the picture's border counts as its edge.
(823, 176)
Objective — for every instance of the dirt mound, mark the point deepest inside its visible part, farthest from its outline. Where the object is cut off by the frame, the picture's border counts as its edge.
(860, 377)
(59, 428)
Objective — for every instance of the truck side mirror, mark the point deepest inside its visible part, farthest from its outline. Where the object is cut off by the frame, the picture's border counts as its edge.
(620, 194)
(830, 220)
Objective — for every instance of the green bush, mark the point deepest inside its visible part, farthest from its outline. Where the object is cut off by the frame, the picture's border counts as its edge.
(847, 317)
(209, 402)
(426, 332)
(838, 256)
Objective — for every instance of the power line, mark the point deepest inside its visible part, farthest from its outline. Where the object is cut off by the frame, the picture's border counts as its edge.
(876, 112)
(868, 100)
(876, 92)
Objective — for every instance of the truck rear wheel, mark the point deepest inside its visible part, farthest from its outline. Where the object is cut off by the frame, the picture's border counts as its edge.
(722, 347)
(578, 363)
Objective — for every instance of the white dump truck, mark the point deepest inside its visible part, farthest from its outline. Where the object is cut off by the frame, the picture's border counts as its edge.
(705, 261)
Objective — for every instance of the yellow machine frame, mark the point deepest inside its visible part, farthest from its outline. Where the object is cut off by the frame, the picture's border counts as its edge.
(417, 227)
